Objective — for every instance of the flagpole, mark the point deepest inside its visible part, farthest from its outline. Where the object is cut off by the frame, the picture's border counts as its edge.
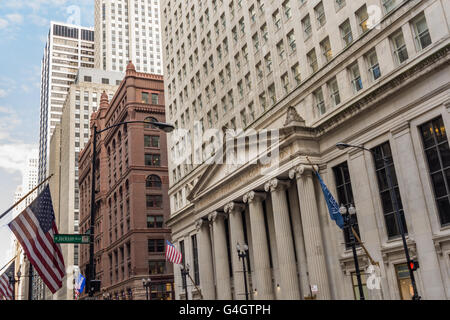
(8, 263)
(24, 197)
(353, 230)
(201, 296)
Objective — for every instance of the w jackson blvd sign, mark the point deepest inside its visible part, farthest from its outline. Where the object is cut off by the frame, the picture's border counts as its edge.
(71, 238)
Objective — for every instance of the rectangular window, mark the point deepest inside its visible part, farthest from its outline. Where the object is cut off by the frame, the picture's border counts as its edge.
(346, 32)
(355, 77)
(154, 201)
(404, 281)
(421, 34)
(319, 101)
(383, 159)
(155, 245)
(105, 81)
(388, 5)
(312, 60)
(320, 14)
(195, 260)
(307, 30)
(155, 99)
(151, 141)
(356, 287)
(144, 97)
(325, 45)
(345, 198)
(153, 160)
(363, 18)
(333, 89)
(400, 51)
(157, 267)
(437, 152)
(155, 221)
(374, 67)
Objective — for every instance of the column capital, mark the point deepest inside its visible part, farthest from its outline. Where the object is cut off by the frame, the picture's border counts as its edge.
(302, 170)
(200, 223)
(212, 217)
(276, 184)
(254, 195)
(233, 207)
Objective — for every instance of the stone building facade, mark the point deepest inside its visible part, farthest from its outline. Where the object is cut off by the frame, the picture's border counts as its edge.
(316, 73)
(131, 199)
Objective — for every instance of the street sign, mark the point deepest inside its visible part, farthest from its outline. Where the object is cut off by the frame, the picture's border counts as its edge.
(71, 238)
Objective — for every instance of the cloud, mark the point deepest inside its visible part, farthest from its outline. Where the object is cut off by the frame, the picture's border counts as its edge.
(39, 21)
(3, 93)
(13, 156)
(15, 18)
(3, 23)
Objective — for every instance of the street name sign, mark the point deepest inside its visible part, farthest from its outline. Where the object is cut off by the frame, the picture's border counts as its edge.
(71, 238)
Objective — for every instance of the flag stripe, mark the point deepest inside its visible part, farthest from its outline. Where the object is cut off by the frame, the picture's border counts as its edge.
(45, 240)
(27, 247)
(172, 254)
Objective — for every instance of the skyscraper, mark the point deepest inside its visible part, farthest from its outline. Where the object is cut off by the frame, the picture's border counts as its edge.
(68, 47)
(128, 30)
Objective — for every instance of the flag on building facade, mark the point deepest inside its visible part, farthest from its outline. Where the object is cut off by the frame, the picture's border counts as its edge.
(79, 285)
(6, 288)
(172, 254)
(333, 207)
(34, 228)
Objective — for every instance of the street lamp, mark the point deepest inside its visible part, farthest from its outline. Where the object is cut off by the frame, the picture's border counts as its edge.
(13, 281)
(184, 272)
(349, 223)
(94, 285)
(147, 283)
(342, 146)
(243, 254)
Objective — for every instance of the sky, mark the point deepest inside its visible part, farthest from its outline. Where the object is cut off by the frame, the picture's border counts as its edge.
(24, 26)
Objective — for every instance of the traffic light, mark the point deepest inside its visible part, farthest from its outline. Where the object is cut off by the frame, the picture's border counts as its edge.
(413, 265)
(94, 286)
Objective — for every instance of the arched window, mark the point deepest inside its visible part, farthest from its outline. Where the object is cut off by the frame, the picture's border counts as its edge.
(148, 125)
(153, 181)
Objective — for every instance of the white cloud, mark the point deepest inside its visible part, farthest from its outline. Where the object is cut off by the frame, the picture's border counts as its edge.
(15, 18)
(13, 156)
(3, 23)
(3, 93)
(39, 21)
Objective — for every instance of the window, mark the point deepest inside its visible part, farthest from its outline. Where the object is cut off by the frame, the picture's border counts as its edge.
(312, 60)
(291, 40)
(320, 103)
(195, 259)
(400, 51)
(389, 5)
(105, 81)
(155, 98)
(151, 141)
(285, 82)
(287, 9)
(156, 267)
(345, 198)
(383, 158)
(363, 18)
(306, 23)
(87, 79)
(334, 92)
(268, 62)
(421, 35)
(154, 201)
(339, 4)
(326, 49)
(280, 50)
(150, 120)
(355, 285)
(346, 33)
(153, 181)
(320, 14)
(272, 94)
(355, 77)
(437, 152)
(277, 19)
(153, 160)
(374, 67)
(144, 96)
(296, 73)
(155, 245)
(155, 221)
(404, 281)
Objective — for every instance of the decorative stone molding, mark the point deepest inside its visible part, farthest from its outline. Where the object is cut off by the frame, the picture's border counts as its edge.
(252, 195)
(293, 118)
(302, 170)
(275, 184)
(212, 217)
(447, 105)
(199, 223)
(233, 207)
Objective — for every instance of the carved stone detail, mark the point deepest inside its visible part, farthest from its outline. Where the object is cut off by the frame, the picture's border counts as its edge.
(293, 118)
(275, 184)
(252, 195)
(233, 207)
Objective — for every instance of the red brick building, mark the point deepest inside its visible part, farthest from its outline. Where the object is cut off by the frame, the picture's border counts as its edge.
(132, 202)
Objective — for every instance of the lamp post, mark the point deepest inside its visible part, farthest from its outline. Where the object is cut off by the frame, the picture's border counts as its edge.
(94, 285)
(147, 283)
(184, 272)
(13, 281)
(349, 220)
(243, 254)
(343, 146)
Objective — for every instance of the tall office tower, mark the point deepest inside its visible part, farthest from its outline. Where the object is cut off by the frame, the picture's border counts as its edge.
(128, 30)
(370, 73)
(68, 139)
(68, 48)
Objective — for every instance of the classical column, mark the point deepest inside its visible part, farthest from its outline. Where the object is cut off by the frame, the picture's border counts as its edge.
(234, 211)
(289, 284)
(262, 273)
(297, 229)
(311, 230)
(205, 260)
(223, 284)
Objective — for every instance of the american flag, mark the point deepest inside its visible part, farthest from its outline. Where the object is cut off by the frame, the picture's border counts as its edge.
(34, 228)
(172, 254)
(6, 289)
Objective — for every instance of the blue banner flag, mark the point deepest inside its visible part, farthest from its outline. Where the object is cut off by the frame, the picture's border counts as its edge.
(333, 207)
(79, 285)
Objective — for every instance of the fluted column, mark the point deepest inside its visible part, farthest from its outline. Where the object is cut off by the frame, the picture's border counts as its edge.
(223, 284)
(205, 260)
(311, 230)
(289, 284)
(234, 211)
(262, 273)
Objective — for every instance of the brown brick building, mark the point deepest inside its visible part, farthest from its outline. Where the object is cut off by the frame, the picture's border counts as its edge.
(132, 183)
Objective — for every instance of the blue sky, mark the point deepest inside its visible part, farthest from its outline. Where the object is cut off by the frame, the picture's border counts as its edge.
(24, 26)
